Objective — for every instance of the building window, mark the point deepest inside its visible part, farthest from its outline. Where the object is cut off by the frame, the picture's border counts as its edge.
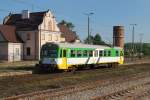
(28, 36)
(50, 37)
(43, 36)
(28, 51)
(50, 25)
(56, 38)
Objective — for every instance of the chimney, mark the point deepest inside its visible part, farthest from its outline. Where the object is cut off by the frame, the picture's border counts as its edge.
(25, 14)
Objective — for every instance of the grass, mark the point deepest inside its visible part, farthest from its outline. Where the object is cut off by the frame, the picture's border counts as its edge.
(17, 66)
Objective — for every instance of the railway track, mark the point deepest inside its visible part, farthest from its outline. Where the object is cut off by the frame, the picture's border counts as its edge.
(72, 91)
(132, 93)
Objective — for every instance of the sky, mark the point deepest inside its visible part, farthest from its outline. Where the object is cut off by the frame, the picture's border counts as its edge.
(107, 13)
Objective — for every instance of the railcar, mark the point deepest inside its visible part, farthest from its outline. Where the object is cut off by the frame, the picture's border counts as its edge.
(65, 56)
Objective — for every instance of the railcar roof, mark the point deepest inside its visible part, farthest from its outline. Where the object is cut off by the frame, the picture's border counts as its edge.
(81, 45)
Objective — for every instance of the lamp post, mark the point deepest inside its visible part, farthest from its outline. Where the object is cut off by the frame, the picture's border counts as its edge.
(133, 30)
(88, 15)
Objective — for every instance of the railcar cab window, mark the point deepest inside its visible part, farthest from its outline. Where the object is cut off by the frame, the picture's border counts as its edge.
(96, 53)
(79, 53)
(73, 53)
(100, 53)
(105, 53)
(109, 53)
(90, 53)
(85, 53)
(117, 53)
(44, 52)
(52, 53)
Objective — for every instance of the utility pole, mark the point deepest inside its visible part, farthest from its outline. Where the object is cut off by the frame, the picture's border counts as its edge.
(141, 45)
(88, 15)
(133, 30)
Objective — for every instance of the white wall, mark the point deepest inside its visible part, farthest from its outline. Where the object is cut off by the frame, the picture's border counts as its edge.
(32, 43)
(14, 51)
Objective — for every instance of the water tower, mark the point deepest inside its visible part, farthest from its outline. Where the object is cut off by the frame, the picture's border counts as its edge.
(118, 36)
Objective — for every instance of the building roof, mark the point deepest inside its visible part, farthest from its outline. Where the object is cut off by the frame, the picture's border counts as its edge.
(70, 36)
(9, 33)
(31, 23)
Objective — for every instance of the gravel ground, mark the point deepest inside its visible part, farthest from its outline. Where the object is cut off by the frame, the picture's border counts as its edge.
(139, 83)
(31, 83)
(101, 90)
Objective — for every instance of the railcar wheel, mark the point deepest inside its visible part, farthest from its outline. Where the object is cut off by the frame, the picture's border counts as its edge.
(74, 69)
(92, 66)
(114, 65)
(110, 65)
(37, 69)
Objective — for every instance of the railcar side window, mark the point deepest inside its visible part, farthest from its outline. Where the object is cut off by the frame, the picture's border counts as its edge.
(109, 53)
(85, 54)
(105, 53)
(90, 53)
(100, 53)
(117, 53)
(73, 53)
(95, 53)
(60, 52)
(64, 53)
(79, 53)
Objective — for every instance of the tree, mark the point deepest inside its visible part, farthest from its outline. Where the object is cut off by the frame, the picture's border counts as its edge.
(63, 22)
(91, 38)
(145, 49)
(68, 24)
(97, 40)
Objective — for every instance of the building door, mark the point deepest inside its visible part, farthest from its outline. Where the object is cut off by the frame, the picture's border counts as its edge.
(17, 54)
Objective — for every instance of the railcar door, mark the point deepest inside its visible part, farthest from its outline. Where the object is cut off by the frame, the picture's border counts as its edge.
(121, 56)
(64, 58)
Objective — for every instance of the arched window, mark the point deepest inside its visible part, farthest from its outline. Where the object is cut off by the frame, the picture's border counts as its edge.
(50, 25)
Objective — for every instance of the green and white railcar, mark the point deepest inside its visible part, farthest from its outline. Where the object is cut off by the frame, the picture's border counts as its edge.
(65, 55)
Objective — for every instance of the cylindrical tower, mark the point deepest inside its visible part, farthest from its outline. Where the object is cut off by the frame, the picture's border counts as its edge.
(118, 36)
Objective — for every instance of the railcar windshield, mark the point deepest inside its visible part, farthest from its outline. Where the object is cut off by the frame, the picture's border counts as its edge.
(49, 51)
